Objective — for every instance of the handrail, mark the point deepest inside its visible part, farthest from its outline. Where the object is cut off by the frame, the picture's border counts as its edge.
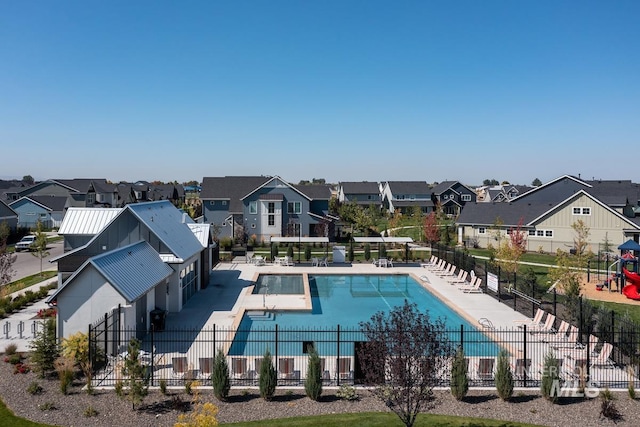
(523, 295)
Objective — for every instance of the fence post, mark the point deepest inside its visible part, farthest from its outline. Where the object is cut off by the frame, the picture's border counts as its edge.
(581, 320)
(338, 358)
(106, 335)
(514, 296)
(153, 355)
(588, 271)
(90, 339)
(499, 287)
(533, 295)
(215, 351)
(613, 329)
(276, 351)
(555, 301)
(524, 346)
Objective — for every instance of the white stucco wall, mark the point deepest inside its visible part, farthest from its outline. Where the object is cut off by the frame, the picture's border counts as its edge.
(84, 301)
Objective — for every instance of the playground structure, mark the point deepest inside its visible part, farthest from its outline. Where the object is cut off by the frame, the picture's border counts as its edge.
(625, 269)
(630, 290)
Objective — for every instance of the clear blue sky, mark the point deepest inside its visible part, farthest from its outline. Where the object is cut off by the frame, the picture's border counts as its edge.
(342, 90)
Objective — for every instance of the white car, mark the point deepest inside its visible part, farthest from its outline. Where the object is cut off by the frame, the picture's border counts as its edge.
(26, 243)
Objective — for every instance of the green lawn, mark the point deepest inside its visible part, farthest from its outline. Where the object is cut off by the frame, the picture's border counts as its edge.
(374, 419)
(8, 419)
(621, 309)
(28, 281)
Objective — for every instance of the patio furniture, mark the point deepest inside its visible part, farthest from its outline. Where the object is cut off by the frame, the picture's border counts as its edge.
(239, 367)
(484, 368)
(206, 368)
(536, 321)
(179, 366)
(522, 369)
(286, 368)
(344, 368)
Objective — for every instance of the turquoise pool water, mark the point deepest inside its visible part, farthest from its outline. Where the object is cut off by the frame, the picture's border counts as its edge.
(347, 300)
(279, 284)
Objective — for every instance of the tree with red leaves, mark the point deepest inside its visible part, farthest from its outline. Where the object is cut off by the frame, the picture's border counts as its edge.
(431, 229)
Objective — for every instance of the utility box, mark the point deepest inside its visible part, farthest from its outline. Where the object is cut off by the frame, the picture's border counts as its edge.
(157, 319)
(338, 254)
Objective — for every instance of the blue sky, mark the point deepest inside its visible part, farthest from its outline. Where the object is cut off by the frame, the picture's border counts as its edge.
(342, 90)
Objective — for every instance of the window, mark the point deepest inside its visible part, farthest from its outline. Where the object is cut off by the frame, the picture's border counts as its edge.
(548, 233)
(532, 232)
(581, 211)
(253, 207)
(466, 197)
(294, 208)
(482, 230)
(272, 220)
(541, 233)
(91, 198)
(271, 207)
(224, 203)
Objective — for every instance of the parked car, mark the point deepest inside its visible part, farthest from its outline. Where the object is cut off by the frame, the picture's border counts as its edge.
(27, 243)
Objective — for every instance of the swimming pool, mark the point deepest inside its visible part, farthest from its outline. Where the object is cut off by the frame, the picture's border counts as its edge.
(347, 300)
(279, 284)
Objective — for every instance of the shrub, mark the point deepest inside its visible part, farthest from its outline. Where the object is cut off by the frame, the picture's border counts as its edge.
(220, 376)
(268, 377)
(307, 252)
(64, 368)
(351, 255)
(608, 407)
(136, 373)
(313, 382)
(163, 387)
(188, 384)
(459, 377)
(21, 368)
(14, 359)
(383, 251)
(504, 376)
(47, 406)
(367, 251)
(34, 388)
(90, 412)
(203, 414)
(119, 388)
(290, 251)
(550, 378)
(347, 392)
(10, 349)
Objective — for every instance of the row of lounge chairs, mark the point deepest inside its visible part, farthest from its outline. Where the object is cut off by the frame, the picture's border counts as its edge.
(467, 282)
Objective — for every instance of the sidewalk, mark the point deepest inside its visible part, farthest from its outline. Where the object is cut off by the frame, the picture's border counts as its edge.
(24, 321)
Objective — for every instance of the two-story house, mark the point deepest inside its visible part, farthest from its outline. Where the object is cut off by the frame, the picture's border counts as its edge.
(363, 193)
(265, 207)
(452, 196)
(404, 196)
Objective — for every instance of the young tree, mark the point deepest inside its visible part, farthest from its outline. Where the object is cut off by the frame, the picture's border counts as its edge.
(45, 348)
(6, 259)
(313, 382)
(504, 376)
(459, 376)
(135, 374)
(220, 376)
(268, 377)
(40, 244)
(510, 250)
(431, 229)
(404, 358)
(550, 384)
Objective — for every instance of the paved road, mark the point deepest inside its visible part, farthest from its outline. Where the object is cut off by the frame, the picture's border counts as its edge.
(26, 264)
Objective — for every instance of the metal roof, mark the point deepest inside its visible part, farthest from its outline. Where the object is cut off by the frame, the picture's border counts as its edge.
(132, 270)
(169, 225)
(382, 239)
(201, 231)
(87, 221)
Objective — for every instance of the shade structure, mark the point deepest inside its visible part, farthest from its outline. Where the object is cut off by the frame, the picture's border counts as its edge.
(629, 245)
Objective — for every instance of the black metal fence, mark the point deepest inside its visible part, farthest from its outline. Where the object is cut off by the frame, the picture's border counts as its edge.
(178, 356)
(526, 296)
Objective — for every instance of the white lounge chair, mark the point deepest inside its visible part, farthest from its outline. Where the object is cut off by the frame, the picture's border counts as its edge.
(460, 279)
(547, 327)
(473, 288)
(536, 321)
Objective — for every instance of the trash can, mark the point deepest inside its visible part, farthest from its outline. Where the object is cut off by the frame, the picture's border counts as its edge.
(157, 319)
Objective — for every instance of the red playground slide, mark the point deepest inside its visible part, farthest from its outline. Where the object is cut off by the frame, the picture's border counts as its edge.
(633, 284)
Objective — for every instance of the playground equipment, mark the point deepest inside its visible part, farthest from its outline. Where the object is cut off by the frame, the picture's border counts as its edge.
(633, 284)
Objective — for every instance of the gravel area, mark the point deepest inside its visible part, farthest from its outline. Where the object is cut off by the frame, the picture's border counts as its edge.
(245, 404)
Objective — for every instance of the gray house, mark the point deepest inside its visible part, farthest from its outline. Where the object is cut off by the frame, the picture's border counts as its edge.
(148, 256)
(265, 207)
(404, 196)
(452, 196)
(80, 192)
(8, 215)
(363, 193)
(49, 210)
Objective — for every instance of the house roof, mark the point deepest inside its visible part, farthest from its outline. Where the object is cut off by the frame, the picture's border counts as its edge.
(202, 232)
(316, 191)
(82, 185)
(6, 210)
(169, 225)
(231, 188)
(55, 203)
(409, 187)
(363, 187)
(132, 270)
(29, 200)
(418, 202)
(87, 221)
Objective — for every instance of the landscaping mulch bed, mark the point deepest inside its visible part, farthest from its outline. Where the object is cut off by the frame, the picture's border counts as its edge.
(245, 404)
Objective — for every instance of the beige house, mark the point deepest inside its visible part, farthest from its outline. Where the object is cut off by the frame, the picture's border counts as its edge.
(547, 213)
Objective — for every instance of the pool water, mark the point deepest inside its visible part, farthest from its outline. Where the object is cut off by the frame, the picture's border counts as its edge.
(347, 300)
(279, 284)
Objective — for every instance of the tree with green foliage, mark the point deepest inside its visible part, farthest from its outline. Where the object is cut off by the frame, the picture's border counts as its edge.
(6, 258)
(550, 384)
(536, 183)
(511, 249)
(351, 254)
(367, 251)
(76, 348)
(504, 376)
(220, 376)
(44, 348)
(403, 357)
(307, 252)
(40, 244)
(135, 374)
(459, 376)
(28, 179)
(313, 382)
(268, 377)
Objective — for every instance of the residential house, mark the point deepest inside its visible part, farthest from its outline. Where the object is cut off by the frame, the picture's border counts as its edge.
(143, 191)
(8, 215)
(244, 206)
(404, 196)
(363, 193)
(49, 210)
(148, 256)
(500, 193)
(80, 192)
(452, 196)
(546, 213)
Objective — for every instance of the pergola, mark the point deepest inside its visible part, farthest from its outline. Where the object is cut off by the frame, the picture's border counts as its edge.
(380, 240)
(300, 240)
